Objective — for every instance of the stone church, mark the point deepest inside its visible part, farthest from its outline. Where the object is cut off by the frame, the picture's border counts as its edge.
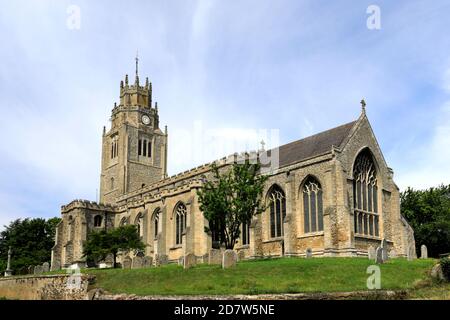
(331, 194)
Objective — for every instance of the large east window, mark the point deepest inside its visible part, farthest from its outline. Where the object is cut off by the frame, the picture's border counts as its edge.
(365, 195)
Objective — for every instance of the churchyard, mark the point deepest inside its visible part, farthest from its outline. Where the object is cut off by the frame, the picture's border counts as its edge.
(270, 276)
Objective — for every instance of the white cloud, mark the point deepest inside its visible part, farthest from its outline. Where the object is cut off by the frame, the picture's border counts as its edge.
(428, 165)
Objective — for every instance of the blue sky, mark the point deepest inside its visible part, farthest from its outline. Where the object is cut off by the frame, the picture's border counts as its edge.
(224, 69)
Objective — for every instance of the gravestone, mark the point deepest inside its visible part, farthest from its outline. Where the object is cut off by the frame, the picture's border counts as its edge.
(30, 269)
(190, 260)
(138, 262)
(410, 254)
(437, 272)
(423, 252)
(181, 261)
(309, 253)
(379, 255)
(371, 253)
(161, 259)
(55, 266)
(8, 271)
(203, 259)
(229, 259)
(393, 254)
(45, 267)
(37, 270)
(215, 256)
(241, 255)
(384, 246)
(126, 263)
(147, 262)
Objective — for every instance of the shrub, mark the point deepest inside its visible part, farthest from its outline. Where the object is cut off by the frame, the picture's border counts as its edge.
(445, 265)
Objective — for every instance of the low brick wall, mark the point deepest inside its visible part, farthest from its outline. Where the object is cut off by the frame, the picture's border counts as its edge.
(44, 287)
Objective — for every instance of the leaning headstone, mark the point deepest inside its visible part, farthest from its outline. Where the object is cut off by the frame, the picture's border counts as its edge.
(215, 256)
(437, 273)
(126, 263)
(161, 259)
(147, 261)
(423, 252)
(229, 259)
(190, 260)
(45, 267)
(371, 253)
(308, 253)
(379, 255)
(137, 263)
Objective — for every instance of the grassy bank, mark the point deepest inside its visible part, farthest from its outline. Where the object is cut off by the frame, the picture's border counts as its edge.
(287, 275)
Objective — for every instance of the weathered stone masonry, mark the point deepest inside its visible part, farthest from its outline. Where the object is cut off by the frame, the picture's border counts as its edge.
(324, 203)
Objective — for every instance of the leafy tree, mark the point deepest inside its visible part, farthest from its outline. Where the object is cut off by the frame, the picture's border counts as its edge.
(31, 241)
(100, 244)
(230, 199)
(428, 212)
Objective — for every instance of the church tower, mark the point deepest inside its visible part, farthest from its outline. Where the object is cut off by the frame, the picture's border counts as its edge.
(134, 150)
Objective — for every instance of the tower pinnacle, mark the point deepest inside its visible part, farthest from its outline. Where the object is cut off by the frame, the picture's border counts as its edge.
(137, 62)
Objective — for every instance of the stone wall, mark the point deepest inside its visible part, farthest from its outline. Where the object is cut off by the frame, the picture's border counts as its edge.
(45, 287)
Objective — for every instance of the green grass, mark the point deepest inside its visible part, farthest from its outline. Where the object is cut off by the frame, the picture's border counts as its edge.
(286, 275)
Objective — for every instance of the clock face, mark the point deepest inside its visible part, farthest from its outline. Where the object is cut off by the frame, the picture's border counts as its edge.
(145, 119)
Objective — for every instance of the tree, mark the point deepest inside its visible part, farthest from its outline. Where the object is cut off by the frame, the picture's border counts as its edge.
(428, 212)
(31, 241)
(230, 199)
(100, 244)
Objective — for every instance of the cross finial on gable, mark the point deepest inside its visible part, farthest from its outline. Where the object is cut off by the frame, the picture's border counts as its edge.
(262, 145)
(363, 106)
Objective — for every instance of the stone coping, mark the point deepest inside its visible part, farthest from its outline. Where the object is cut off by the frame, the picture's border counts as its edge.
(37, 276)
(99, 294)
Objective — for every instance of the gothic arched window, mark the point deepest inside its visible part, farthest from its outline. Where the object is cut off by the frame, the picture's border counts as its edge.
(139, 222)
(365, 195)
(245, 233)
(156, 222)
(277, 207)
(98, 221)
(180, 222)
(123, 222)
(312, 206)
